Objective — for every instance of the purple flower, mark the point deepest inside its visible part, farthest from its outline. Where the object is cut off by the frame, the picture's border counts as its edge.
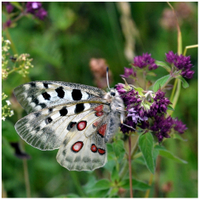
(128, 72)
(181, 62)
(7, 24)
(144, 61)
(161, 127)
(36, 9)
(147, 110)
(136, 117)
(159, 106)
(31, 7)
(179, 126)
(9, 7)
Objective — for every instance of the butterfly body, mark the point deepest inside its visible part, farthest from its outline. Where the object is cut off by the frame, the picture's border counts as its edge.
(75, 118)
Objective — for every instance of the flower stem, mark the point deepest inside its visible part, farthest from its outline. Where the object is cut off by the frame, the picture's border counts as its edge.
(150, 182)
(26, 177)
(189, 47)
(130, 172)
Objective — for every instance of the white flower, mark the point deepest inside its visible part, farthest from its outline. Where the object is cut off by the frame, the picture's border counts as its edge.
(8, 102)
(3, 118)
(7, 41)
(11, 113)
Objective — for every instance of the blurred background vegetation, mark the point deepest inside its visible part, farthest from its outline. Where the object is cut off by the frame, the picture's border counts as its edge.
(61, 46)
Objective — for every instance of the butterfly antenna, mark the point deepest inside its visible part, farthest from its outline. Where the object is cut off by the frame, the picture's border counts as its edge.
(107, 79)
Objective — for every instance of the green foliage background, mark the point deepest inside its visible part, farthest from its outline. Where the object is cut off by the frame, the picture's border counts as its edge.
(61, 47)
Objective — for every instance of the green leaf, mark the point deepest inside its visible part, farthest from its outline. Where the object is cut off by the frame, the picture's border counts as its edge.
(177, 136)
(137, 185)
(115, 175)
(113, 192)
(163, 64)
(167, 154)
(9, 131)
(70, 195)
(160, 82)
(184, 82)
(99, 185)
(170, 155)
(146, 147)
(118, 147)
(170, 108)
(17, 5)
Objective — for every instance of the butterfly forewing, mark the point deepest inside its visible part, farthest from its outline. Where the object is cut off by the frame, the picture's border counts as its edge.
(37, 95)
(46, 129)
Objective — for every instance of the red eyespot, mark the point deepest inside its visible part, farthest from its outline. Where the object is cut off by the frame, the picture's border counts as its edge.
(95, 124)
(102, 130)
(93, 148)
(101, 151)
(99, 113)
(76, 147)
(81, 125)
(99, 108)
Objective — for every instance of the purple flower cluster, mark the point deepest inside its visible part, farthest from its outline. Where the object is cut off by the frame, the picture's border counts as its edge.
(9, 7)
(144, 61)
(36, 9)
(159, 105)
(148, 113)
(181, 62)
(128, 72)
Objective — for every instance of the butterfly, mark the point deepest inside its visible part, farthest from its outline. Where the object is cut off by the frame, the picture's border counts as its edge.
(76, 119)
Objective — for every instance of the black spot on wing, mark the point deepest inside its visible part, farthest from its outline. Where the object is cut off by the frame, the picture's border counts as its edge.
(60, 92)
(79, 108)
(33, 84)
(63, 111)
(43, 105)
(71, 125)
(35, 100)
(76, 94)
(50, 110)
(46, 85)
(37, 114)
(48, 120)
(46, 96)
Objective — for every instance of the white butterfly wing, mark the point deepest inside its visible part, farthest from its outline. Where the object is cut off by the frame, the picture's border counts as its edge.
(81, 151)
(46, 129)
(37, 95)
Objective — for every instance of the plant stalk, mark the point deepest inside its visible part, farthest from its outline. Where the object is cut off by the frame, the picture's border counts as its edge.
(130, 172)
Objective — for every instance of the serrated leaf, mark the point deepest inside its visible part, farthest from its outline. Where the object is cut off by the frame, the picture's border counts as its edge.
(163, 64)
(99, 185)
(160, 82)
(136, 184)
(146, 147)
(184, 82)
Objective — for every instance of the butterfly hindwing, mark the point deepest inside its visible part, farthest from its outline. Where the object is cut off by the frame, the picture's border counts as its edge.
(37, 95)
(80, 152)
